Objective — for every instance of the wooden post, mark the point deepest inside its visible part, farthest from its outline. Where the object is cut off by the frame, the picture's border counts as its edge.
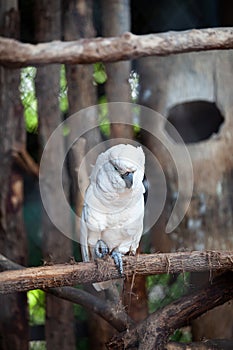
(59, 328)
(13, 315)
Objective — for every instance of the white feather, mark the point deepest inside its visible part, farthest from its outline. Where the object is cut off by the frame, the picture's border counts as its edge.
(112, 212)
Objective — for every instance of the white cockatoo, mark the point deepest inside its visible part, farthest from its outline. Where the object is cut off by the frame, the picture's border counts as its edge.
(113, 211)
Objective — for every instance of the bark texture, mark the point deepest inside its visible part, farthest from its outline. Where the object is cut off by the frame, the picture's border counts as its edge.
(82, 93)
(110, 312)
(13, 315)
(89, 272)
(59, 327)
(169, 85)
(153, 333)
(117, 86)
(128, 46)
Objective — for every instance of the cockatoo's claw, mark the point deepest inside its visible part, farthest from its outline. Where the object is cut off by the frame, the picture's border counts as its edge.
(117, 257)
(101, 249)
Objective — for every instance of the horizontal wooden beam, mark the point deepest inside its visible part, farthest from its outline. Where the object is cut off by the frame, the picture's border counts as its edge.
(102, 270)
(128, 46)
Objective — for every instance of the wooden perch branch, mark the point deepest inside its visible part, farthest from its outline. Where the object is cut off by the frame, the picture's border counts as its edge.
(68, 275)
(202, 345)
(153, 333)
(113, 314)
(128, 46)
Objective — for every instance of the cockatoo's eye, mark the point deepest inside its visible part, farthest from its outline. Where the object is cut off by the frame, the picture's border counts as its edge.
(116, 168)
(128, 178)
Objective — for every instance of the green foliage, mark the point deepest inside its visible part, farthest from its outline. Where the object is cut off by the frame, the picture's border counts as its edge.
(181, 335)
(36, 304)
(37, 345)
(63, 99)
(80, 313)
(99, 75)
(104, 122)
(28, 98)
(162, 290)
(65, 130)
(136, 129)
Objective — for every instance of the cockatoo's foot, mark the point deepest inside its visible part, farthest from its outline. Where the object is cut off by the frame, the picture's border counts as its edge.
(101, 249)
(117, 257)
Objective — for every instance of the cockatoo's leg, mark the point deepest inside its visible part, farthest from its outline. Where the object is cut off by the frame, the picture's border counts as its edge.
(117, 257)
(101, 249)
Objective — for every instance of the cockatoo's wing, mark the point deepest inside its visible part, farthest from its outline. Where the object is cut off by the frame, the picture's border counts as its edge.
(84, 235)
(87, 252)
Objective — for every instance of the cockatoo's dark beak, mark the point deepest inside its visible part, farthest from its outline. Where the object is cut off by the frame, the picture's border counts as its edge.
(128, 178)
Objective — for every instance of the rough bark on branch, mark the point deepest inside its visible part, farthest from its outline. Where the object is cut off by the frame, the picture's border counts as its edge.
(116, 317)
(153, 333)
(187, 308)
(102, 270)
(25, 161)
(128, 46)
(218, 344)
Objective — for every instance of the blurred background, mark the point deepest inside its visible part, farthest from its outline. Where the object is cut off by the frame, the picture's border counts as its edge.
(193, 91)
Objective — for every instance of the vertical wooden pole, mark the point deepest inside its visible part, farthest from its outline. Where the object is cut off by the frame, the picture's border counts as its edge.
(59, 328)
(13, 315)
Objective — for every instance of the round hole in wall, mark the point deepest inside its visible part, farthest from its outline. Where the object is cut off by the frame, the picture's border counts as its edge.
(195, 121)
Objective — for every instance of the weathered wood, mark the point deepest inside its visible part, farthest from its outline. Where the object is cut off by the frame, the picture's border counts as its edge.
(13, 243)
(171, 83)
(118, 72)
(59, 331)
(82, 93)
(217, 344)
(153, 333)
(128, 46)
(24, 160)
(67, 275)
(112, 313)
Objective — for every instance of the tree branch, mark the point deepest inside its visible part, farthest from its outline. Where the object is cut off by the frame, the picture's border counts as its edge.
(103, 270)
(155, 330)
(202, 345)
(24, 160)
(153, 333)
(108, 311)
(128, 46)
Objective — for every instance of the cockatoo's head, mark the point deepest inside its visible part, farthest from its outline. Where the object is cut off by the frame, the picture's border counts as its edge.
(127, 162)
(120, 168)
